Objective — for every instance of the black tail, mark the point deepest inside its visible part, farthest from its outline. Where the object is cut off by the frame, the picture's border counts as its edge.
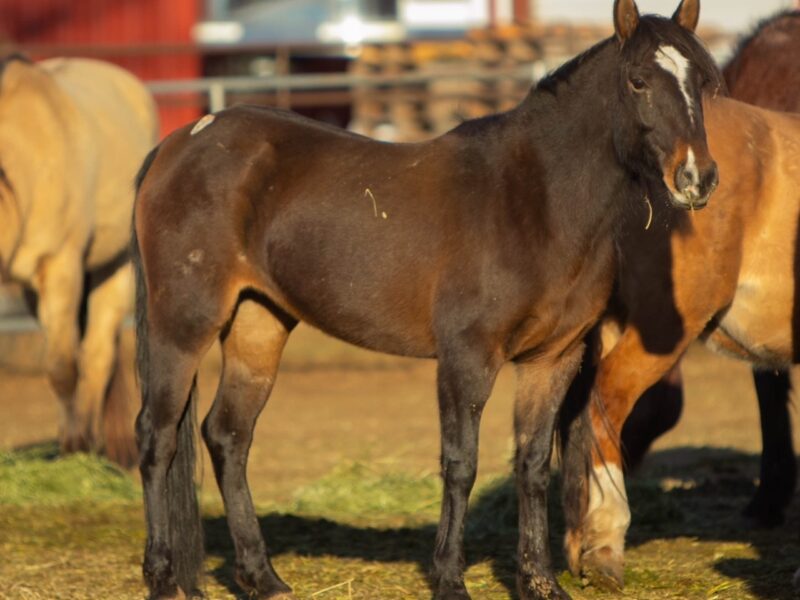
(185, 526)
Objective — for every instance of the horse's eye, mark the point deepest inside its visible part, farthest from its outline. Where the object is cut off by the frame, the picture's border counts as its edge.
(637, 84)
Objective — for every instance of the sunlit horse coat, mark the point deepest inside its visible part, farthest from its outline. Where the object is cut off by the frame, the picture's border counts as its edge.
(72, 134)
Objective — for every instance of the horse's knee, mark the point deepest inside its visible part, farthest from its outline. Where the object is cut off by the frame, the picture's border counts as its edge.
(62, 372)
(459, 473)
(532, 466)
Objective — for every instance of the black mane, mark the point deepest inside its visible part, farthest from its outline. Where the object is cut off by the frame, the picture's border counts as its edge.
(653, 31)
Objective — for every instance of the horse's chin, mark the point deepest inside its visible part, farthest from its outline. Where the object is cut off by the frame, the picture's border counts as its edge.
(688, 201)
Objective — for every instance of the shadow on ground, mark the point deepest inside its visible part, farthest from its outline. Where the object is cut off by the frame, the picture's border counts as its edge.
(693, 493)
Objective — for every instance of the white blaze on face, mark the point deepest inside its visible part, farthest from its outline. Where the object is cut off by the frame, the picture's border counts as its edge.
(691, 167)
(672, 61)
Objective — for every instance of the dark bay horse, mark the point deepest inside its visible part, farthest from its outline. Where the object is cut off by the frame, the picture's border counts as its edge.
(727, 276)
(492, 243)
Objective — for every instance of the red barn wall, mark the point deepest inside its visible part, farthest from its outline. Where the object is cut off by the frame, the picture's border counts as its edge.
(151, 38)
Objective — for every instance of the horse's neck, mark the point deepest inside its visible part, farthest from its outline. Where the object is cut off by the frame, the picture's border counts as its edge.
(569, 132)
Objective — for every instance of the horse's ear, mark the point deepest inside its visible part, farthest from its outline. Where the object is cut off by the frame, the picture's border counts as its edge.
(687, 14)
(626, 19)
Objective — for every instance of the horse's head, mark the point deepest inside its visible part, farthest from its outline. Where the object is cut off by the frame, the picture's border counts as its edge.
(659, 126)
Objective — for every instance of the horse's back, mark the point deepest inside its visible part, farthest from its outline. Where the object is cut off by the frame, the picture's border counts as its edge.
(316, 211)
(334, 225)
(106, 89)
(765, 70)
(114, 124)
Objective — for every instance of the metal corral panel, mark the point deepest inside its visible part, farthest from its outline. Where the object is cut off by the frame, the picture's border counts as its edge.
(151, 38)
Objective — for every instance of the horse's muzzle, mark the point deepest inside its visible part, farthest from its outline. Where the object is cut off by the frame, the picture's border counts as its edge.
(693, 186)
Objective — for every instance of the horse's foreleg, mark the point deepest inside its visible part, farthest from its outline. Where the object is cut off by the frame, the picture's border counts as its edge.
(251, 351)
(108, 304)
(622, 377)
(465, 377)
(778, 463)
(655, 413)
(59, 286)
(541, 388)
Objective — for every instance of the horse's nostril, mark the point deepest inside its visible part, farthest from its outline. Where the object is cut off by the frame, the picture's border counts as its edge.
(686, 176)
(711, 178)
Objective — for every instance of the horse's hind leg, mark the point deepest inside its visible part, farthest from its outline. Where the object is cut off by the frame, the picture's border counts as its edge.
(251, 350)
(173, 553)
(778, 463)
(108, 303)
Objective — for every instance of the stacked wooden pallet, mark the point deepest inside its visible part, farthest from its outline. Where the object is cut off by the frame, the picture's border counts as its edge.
(489, 70)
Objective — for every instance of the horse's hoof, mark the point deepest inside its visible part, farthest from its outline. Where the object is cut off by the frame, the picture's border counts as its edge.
(453, 595)
(538, 586)
(75, 442)
(573, 545)
(452, 592)
(603, 569)
(176, 595)
(762, 515)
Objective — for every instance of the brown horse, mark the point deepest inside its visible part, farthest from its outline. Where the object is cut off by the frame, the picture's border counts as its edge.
(721, 276)
(492, 243)
(764, 70)
(72, 133)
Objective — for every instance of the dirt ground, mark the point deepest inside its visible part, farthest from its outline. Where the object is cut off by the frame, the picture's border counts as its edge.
(334, 405)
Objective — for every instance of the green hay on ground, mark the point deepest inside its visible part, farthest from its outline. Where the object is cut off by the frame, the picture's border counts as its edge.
(39, 476)
(357, 493)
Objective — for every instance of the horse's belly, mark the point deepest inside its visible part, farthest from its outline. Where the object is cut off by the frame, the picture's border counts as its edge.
(359, 310)
(758, 325)
(110, 234)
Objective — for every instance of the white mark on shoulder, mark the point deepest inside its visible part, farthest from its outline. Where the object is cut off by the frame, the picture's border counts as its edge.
(202, 124)
(196, 256)
(672, 61)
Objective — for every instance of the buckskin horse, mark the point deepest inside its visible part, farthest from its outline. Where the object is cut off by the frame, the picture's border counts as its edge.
(72, 134)
(491, 243)
(763, 71)
(727, 277)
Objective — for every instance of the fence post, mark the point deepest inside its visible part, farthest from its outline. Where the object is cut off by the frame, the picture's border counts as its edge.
(216, 97)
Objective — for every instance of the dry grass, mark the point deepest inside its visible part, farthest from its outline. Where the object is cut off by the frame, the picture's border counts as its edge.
(366, 532)
(348, 446)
